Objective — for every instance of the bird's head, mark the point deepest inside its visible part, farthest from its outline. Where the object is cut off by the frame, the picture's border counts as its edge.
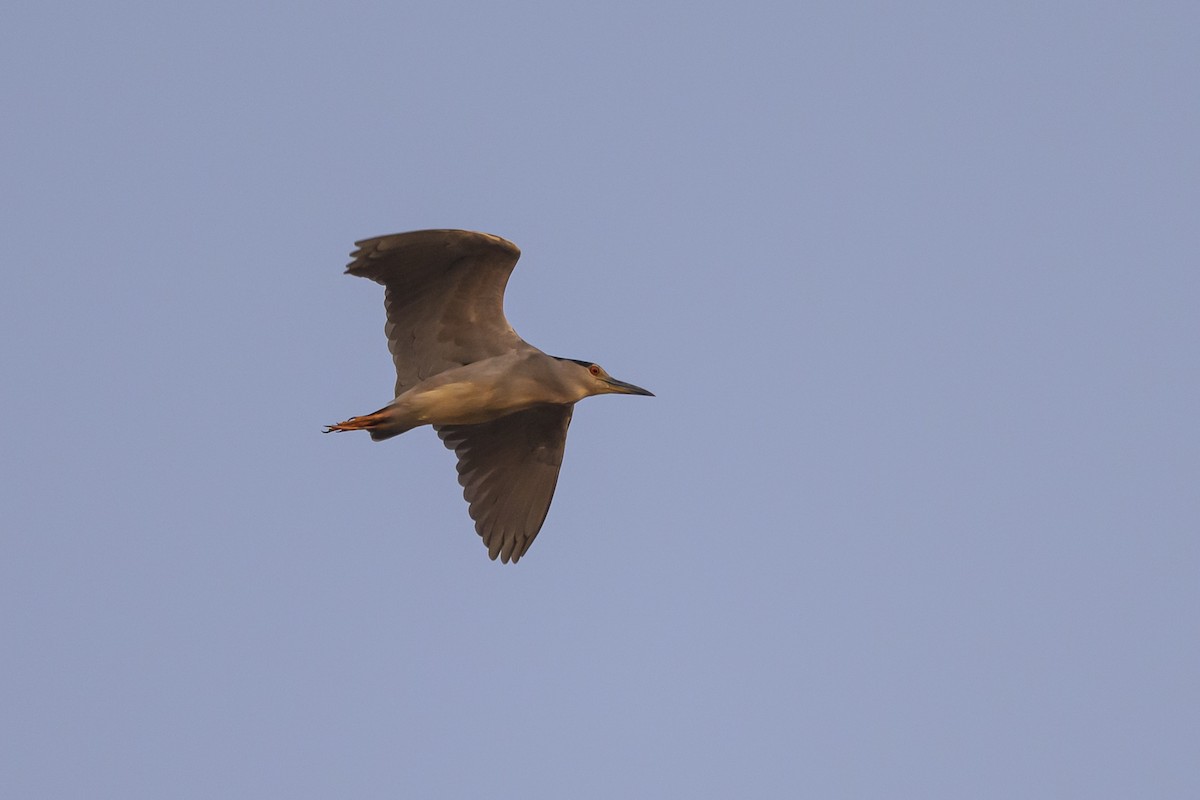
(595, 380)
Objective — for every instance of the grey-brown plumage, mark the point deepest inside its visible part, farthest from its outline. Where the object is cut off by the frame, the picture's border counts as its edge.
(501, 404)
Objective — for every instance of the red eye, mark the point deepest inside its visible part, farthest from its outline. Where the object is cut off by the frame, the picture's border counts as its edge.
(594, 369)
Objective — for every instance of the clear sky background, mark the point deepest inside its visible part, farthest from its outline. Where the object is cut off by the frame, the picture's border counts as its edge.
(914, 513)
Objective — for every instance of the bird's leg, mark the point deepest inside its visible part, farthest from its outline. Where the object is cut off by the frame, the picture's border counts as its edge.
(363, 423)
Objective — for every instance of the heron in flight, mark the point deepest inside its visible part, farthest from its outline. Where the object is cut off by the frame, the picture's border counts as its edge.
(501, 404)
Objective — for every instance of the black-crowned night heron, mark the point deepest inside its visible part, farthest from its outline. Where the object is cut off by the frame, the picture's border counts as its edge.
(501, 404)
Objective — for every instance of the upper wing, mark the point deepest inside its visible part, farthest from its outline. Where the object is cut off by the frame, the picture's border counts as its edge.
(508, 469)
(444, 299)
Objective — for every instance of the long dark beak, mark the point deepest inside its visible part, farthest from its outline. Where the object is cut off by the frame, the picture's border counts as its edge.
(621, 387)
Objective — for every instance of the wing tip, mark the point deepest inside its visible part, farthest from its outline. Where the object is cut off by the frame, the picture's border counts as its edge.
(454, 243)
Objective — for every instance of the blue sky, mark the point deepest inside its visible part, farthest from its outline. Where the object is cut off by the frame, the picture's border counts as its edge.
(913, 514)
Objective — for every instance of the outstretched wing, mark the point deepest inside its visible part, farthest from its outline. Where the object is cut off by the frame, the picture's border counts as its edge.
(508, 469)
(444, 299)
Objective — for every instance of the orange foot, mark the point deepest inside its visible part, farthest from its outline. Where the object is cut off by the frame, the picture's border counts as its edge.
(365, 423)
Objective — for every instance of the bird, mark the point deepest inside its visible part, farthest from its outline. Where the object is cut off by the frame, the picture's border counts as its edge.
(502, 405)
